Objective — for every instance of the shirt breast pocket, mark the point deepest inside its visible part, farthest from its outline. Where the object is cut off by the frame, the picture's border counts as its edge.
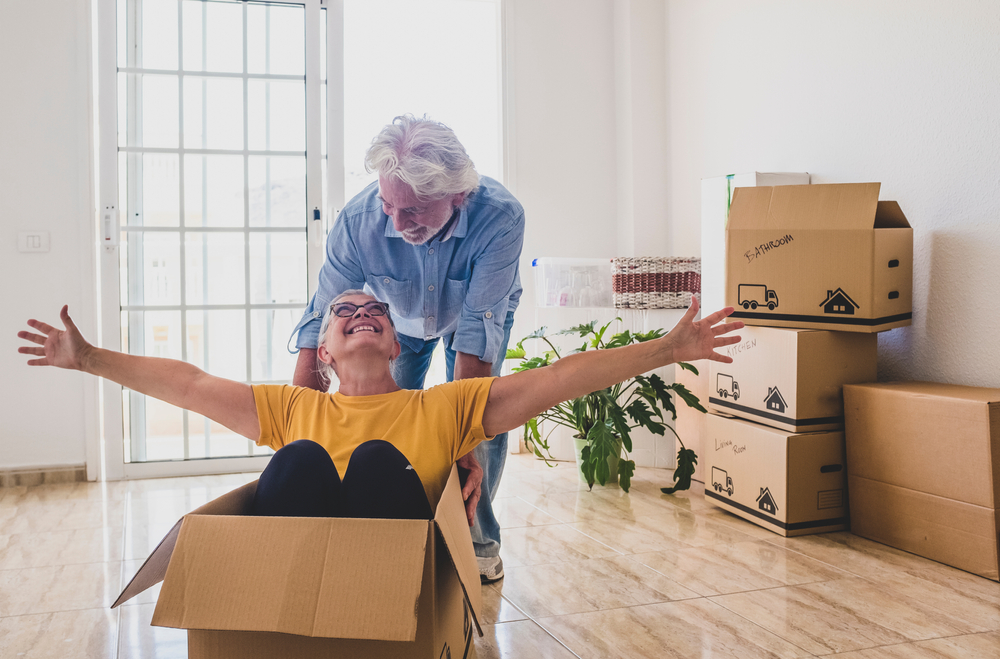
(455, 291)
(396, 293)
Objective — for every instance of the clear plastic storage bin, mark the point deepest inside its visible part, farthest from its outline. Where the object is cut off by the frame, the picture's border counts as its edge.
(566, 282)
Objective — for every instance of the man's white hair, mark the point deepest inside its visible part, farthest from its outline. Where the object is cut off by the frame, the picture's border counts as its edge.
(424, 154)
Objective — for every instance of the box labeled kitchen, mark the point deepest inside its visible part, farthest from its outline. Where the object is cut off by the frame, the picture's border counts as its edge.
(303, 587)
(791, 379)
(826, 256)
(924, 465)
(790, 483)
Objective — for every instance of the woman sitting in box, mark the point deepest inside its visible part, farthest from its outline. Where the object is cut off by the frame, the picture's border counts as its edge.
(395, 447)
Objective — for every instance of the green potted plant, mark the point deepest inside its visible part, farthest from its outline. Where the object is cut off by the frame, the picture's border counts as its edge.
(603, 420)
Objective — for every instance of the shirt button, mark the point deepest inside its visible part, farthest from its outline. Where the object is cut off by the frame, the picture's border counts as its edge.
(489, 314)
(385, 281)
(430, 319)
(431, 287)
(315, 314)
(430, 251)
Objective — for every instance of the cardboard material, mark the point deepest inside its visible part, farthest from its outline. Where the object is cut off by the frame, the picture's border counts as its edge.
(924, 460)
(792, 484)
(791, 379)
(716, 197)
(819, 256)
(952, 532)
(246, 586)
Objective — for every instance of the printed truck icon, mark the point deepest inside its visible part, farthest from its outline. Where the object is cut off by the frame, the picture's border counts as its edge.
(727, 386)
(752, 296)
(721, 481)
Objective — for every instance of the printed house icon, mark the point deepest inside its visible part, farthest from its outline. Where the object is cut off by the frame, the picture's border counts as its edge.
(766, 501)
(839, 302)
(774, 401)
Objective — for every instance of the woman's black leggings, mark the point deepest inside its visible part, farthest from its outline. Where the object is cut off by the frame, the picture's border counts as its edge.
(302, 481)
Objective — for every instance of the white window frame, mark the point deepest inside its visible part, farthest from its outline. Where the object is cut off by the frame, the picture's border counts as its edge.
(111, 453)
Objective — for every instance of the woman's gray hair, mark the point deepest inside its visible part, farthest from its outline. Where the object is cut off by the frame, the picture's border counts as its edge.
(329, 370)
(424, 154)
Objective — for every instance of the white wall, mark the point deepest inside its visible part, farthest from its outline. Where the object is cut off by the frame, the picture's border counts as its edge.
(45, 186)
(905, 93)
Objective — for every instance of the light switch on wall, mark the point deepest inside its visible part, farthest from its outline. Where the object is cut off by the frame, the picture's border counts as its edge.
(33, 241)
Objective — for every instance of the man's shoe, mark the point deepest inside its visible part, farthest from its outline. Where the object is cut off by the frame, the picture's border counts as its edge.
(490, 568)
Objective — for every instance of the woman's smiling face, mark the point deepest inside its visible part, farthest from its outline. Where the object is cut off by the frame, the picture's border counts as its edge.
(363, 329)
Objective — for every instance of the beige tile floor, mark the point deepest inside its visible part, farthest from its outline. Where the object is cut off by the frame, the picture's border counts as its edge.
(588, 574)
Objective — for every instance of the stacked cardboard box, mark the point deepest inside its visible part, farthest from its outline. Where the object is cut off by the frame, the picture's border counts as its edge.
(923, 460)
(814, 271)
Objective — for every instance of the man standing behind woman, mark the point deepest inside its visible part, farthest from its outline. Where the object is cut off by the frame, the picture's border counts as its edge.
(441, 245)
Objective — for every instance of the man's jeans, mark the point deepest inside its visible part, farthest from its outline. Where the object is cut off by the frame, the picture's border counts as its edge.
(409, 372)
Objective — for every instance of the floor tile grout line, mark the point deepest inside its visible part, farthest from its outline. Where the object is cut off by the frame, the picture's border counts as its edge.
(761, 627)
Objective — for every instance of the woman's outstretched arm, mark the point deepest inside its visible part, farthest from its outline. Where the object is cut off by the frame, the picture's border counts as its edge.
(518, 397)
(178, 383)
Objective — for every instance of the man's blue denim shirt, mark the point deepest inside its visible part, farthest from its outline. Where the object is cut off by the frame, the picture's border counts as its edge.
(462, 283)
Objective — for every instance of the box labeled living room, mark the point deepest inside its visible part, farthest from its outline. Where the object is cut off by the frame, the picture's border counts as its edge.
(826, 256)
(791, 378)
(789, 483)
(253, 587)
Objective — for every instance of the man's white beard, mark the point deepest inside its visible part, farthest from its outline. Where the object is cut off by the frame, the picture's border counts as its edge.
(419, 236)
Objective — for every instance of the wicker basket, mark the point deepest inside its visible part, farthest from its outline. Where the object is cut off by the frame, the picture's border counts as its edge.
(655, 282)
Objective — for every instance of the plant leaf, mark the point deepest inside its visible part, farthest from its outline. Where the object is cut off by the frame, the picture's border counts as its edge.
(528, 364)
(582, 330)
(642, 415)
(648, 336)
(688, 397)
(626, 468)
(620, 339)
(688, 367)
(663, 394)
(686, 460)
(515, 353)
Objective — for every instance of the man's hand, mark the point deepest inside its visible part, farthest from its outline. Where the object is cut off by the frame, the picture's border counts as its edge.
(471, 474)
(693, 340)
(62, 348)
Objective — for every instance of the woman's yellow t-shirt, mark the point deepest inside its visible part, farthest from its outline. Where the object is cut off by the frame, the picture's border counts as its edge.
(432, 428)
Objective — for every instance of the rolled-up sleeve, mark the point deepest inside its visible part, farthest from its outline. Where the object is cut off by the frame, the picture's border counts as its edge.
(494, 279)
(341, 271)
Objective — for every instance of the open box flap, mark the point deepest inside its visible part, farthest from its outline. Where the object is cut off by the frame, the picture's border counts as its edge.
(236, 502)
(325, 577)
(454, 527)
(890, 216)
(788, 207)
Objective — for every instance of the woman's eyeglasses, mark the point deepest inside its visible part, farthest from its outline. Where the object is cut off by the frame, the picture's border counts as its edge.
(346, 309)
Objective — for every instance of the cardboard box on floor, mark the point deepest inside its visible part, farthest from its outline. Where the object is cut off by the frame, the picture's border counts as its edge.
(716, 197)
(819, 256)
(791, 378)
(296, 587)
(789, 483)
(924, 470)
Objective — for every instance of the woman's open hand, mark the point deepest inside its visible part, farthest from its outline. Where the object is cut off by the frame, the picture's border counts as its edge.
(63, 348)
(692, 340)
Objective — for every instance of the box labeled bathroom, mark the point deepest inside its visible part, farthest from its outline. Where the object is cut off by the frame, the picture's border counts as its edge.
(791, 379)
(790, 483)
(266, 587)
(716, 197)
(924, 464)
(819, 256)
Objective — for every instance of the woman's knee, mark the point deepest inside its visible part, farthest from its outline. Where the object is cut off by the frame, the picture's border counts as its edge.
(377, 452)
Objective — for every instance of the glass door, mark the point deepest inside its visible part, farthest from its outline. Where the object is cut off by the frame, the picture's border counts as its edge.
(218, 173)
